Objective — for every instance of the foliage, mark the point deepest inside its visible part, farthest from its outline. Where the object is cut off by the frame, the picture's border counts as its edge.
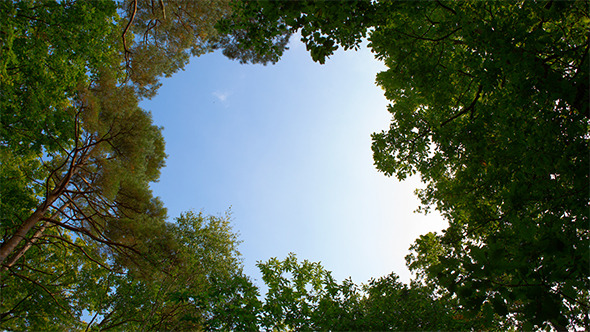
(159, 37)
(44, 61)
(294, 291)
(258, 31)
(196, 287)
(490, 107)
(77, 216)
(44, 292)
(67, 133)
(304, 296)
(198, 284)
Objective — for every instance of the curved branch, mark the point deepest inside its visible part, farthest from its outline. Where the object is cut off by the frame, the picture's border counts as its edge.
(446, 7)
(44, 288)
(105, 241)
(82, 250)
(469, 108)
(127, 51)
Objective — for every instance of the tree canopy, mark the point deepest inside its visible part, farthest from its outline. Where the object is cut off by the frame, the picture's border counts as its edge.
(489, 105)
(303, 296)
(79, 154)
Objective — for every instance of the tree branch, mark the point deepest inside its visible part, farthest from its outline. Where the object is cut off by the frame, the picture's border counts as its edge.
(127, 51)
(32, 241)
(44, 288)
(446, 7)
(76, 163)
(469, 108)
(61, 238)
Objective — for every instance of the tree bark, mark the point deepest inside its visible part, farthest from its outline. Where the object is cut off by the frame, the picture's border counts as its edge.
(9, 246)
(32, 241)
(26, 247)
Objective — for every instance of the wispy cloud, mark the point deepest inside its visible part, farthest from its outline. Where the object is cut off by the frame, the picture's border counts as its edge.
(221, 96)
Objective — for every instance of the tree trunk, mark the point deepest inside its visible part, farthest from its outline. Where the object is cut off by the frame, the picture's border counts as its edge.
(9, 246)
(32, 241)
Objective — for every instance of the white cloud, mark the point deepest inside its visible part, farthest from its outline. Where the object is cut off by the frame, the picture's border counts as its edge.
(221, 96)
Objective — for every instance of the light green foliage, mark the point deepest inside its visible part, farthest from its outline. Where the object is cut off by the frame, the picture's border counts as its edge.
(78, 154)
(194, 282)
(232, 304)
(44, 291)
(304, 296)
(198, 284)
(48, 49)
(294, 292)
(490, 105)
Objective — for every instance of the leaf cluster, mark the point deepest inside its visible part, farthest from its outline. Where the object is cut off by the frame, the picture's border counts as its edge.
(304, 296)
(258, 31)
(80, 228)
(489, 104)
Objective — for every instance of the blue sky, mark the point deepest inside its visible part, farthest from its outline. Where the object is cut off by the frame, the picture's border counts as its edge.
(288, 147)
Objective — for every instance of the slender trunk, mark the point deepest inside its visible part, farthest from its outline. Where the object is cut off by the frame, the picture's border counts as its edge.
(32, 241)
(26, 247)
(9, 246)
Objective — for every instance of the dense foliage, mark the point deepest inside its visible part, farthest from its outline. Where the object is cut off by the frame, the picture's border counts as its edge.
(303, 296)
(77, 217)
(489, 104)
(490, 107)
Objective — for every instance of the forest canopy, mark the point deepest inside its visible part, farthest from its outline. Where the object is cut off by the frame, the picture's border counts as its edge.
(489, 104)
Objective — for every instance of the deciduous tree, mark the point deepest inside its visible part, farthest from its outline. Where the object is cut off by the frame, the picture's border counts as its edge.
(304, 296)
(490, 106)
(78, 154)
(258, 31)
(200, 286)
